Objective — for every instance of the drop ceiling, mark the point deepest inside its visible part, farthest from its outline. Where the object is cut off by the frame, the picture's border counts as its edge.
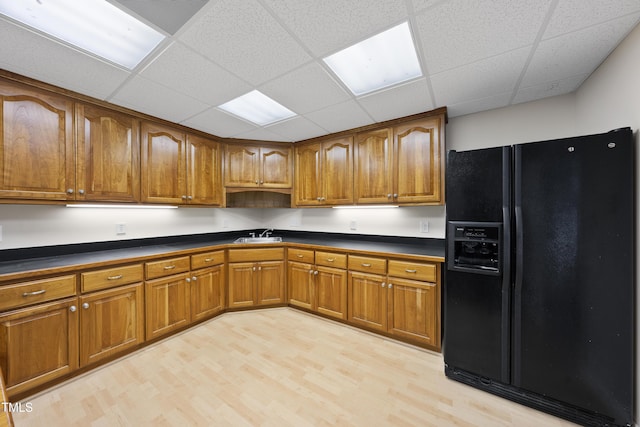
(475, 55)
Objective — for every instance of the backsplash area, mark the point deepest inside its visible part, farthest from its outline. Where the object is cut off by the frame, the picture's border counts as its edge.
(41, 225)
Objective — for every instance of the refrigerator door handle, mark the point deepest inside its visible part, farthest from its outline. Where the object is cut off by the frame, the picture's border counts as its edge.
(516, 367)
(506, 266)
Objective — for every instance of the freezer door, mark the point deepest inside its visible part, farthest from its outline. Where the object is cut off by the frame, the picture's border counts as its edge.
(573, 296)
(477, 301)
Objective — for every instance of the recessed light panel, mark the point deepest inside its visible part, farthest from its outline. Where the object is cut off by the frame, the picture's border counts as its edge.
(257, 108)
(381, 61)
(95, 26)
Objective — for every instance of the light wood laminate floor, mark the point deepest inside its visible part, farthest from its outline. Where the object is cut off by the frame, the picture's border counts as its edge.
(276, 367)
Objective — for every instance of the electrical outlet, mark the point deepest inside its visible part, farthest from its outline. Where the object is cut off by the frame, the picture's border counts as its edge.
(424, 226)
(121, 229)
(353, 225)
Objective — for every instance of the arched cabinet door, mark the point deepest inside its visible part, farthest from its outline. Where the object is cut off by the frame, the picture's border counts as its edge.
(37, 158)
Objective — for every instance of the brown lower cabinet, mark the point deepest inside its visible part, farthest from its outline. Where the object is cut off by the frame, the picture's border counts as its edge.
(38, 344)
(111, 322)
(52, 326)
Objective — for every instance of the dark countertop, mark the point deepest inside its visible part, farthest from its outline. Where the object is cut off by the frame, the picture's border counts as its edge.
(70, 257)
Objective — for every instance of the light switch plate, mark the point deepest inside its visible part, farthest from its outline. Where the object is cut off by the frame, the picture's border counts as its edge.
(121, 229)
(353, 225)
(424, 226)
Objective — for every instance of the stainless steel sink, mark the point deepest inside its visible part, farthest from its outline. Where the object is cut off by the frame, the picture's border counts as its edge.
(269, 239)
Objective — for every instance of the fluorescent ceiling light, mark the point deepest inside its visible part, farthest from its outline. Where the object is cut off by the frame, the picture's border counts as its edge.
(383, 60)
(257, 108)
(95, 26)
(106, 206)
(365, 207)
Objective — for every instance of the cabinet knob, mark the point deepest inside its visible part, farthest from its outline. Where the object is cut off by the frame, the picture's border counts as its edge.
(187, 280)
(319, 199)
(390, 285)
(384, 285)
(388, 196)
(256, 181)
(194, 278)
(184, 197)
(315, 272)
(322, 199)
(395, 196)
(72, 309)
(69, 190)
(190, 198)
(85, 305)
(80, 191)
(261, 182)
(254, 269)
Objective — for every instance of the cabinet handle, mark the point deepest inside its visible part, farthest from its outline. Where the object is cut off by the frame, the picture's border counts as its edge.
(384, 285)
(366, 264)
(188, 280)
(81, 191)
(184, 197)
(300, 255)
(169, 267)
(194, 278)
(72, 309)
(259, 268)
(69, 190)
(410, 271)
(395, 196)
(34, 293)
(310, 271)
(330, 259)
(315, 272)
(189, 197)
(261, 182)
(119, 276)
(322, 199)
(256, 181)
(319, 199)
(208, 259)
(390, 285)
(85, 305)
(254, 269)
(388, 196)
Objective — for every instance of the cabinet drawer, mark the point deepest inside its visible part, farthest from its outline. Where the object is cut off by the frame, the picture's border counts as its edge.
(111, 277)
(242, 255)
(207, 259)
(423, 271)
(331, 259)
(300, 255)
(167, 267)
(26, 293)
(368, 264)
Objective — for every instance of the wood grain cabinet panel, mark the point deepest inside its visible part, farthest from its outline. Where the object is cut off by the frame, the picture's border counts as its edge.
(331, 292)
(373, 167)
(367, 300)
(167, 304)
(241, 284)
(108, 155)
(207, 292)
(414, 313)
(163, 164)
(111, 322)
(38, 344)
(204, 171)
(419, 162)
(36, 291)
(256, 277)
(258, 167)
(301, 280)
(111, 277)
(37, 156)
(324, 173)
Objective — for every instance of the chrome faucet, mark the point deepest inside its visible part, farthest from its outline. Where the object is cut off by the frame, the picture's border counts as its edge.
(266, 232)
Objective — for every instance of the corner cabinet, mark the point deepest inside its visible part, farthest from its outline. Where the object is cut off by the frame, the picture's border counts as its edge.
(261, 167)
(402, 164)
(256, 277)
(37, 156)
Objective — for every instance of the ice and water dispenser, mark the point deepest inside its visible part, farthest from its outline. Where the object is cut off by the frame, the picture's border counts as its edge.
(474, 247)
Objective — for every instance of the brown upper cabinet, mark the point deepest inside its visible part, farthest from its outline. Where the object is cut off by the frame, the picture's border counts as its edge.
(108, 156)
(324, 173)
(258, 167)
(37, 157)
(401, 165)
(179, 168)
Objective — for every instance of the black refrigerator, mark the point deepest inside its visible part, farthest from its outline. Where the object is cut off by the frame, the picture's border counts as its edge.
(539, 296)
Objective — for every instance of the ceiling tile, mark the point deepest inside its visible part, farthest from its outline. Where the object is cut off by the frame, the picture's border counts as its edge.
(169, 15)
(246, 40)
(27, 53)
(327, 26)
(190, 73)
(400, 101)
(544, 90)
(261, 134)
(306, 89)
(488, 103)
(347, 115)
(218, 123)
(460, 32)
(480, 79)
(151, 98)
(572, 15)
(296, 129)
(576, 53)
(420, 5)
